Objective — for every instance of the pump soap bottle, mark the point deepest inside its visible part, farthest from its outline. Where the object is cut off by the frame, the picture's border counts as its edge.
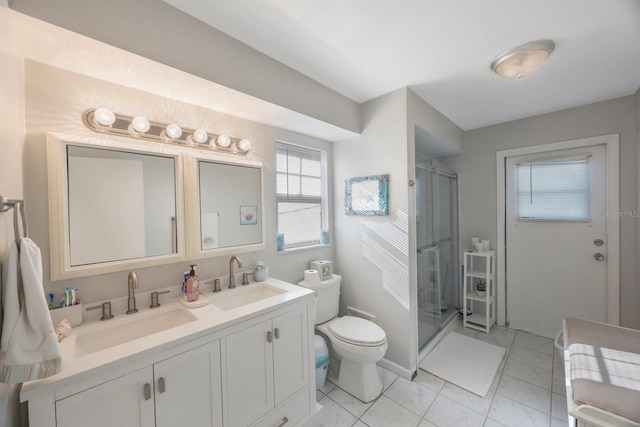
(193, 284)
(261, 272)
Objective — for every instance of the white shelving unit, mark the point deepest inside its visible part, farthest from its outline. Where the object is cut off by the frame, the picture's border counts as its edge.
(479, 266)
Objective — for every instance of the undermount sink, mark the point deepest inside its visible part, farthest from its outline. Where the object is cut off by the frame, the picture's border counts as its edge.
(130, 328)
(234, 298)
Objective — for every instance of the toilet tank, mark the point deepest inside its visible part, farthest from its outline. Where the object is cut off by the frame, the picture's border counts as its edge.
(327, 298)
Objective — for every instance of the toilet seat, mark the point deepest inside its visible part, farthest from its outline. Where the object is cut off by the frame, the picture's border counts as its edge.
(357, 331)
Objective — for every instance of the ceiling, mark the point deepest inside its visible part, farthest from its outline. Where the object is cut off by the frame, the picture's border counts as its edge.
(442, 49)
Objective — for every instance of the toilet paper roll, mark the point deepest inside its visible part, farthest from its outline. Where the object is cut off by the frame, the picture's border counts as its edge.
(311, 277)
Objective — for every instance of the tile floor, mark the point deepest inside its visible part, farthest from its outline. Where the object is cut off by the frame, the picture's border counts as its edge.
(528, 391)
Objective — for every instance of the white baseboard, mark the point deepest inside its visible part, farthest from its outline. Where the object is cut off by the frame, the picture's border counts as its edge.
(397, 369)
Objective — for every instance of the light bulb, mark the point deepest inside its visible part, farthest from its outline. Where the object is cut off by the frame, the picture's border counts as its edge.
(244, 144)
(104, 117)
(173, 131)
(224, 141)
(200, 136)
(140, 124)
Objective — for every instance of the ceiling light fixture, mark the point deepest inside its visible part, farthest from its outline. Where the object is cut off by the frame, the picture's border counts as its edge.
(522, 60)
(103, 120)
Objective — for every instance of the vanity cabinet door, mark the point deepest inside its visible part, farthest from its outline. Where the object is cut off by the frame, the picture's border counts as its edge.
(266, 364)
(290, 353)
(249, 368)
(188, 388)
(124, 402)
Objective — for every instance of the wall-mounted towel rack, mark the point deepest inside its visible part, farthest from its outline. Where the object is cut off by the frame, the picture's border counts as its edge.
(16, 205)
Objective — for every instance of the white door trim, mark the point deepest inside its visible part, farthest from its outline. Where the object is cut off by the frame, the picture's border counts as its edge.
(612, 143)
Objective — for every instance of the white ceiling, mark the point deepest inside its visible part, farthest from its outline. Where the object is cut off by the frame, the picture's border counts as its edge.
(442, 49)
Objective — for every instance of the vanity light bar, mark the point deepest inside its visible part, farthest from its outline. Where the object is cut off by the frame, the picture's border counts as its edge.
(104, 120)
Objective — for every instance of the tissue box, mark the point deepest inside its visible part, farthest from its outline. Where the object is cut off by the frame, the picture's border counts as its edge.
(73, 314)
(324, 268)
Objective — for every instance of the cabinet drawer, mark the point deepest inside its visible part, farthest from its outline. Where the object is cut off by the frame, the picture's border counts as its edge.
(294, 411)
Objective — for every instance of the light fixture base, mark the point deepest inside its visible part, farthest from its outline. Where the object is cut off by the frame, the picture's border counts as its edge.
(522, 60)
(122, 126)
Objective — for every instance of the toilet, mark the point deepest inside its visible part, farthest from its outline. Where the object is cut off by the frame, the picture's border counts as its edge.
(358, 343)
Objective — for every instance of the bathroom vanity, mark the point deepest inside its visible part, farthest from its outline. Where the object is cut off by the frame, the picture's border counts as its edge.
(245, 359)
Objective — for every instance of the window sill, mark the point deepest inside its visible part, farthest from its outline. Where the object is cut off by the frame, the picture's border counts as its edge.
(302, 248)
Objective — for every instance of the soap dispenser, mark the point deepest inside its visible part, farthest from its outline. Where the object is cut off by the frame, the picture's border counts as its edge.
(261, 272)
(193, 284)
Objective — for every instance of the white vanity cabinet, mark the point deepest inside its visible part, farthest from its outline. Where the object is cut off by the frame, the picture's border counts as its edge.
(268, 363)
(249, 366)
(186, 387)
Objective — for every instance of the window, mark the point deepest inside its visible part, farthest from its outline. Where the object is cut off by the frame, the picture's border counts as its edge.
(556, 190)
(301, 196)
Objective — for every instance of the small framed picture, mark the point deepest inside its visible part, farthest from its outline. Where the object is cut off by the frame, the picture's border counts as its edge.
(248, 215)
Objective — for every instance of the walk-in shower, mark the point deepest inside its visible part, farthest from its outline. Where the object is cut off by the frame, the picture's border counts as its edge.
(437, 245)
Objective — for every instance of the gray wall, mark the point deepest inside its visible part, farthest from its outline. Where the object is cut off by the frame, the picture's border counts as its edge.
(384, 284)
(478, 180)
(638, 200)
(55, 100)
(11, 125)
(372, 252)
(11, 145)
(158, 31)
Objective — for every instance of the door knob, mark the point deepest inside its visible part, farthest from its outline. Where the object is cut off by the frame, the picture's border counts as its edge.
(598, 256)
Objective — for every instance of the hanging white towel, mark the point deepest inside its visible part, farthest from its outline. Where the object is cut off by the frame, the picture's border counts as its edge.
(29, 348)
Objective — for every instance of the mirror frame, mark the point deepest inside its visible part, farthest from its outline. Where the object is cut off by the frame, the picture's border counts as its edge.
(192, 199)
(58, 206)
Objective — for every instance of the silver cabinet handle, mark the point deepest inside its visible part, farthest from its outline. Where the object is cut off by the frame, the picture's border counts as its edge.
(598, 242)
(284, 421)
(161, 385)
(276, 332)
(147, 391)
(269, 336)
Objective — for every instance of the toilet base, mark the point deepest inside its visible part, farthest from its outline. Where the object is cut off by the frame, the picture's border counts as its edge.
(361, 380)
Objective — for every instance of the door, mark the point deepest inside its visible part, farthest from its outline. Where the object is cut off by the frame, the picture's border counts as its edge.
(124, 402)
(290, 353)
(249, 367)
(556, 242)
(189, 387)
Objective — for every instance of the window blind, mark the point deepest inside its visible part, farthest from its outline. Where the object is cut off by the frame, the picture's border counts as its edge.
(553, 190)
(299, 184)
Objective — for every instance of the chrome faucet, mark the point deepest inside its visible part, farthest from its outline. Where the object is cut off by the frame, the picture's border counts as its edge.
(232, 279)
(132, 284)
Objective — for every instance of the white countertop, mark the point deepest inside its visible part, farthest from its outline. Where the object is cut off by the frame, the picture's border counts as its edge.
(209, 319)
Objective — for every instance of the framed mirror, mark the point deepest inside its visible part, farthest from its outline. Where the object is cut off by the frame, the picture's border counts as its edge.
(367, 196)
(229, 216)
(112, 208)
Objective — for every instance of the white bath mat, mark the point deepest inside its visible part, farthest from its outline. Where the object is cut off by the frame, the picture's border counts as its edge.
(466, 362)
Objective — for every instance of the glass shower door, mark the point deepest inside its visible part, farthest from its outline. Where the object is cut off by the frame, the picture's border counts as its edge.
(436, 226)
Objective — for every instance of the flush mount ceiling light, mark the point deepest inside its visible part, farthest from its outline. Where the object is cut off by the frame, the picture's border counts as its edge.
(522, 60)
(104, 120)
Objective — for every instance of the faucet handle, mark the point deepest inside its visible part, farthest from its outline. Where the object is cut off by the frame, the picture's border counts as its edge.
(245, 279)
(216, 285)
(106, 310)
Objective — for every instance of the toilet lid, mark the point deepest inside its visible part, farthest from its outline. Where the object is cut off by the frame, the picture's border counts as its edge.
(357, 331)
